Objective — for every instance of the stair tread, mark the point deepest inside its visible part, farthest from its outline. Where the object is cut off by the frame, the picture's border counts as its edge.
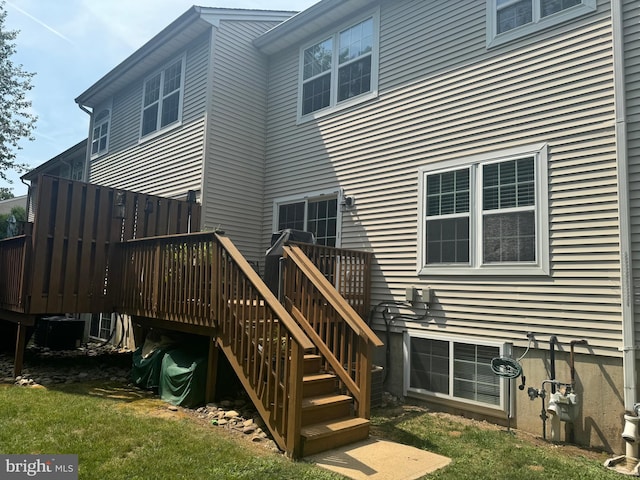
(327, 428)
(318, 376)
(321, 400)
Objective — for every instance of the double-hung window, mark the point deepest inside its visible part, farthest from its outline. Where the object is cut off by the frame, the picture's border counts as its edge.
(317, 215)
(100, 133)
(76, 170)
(485, 214)
(162, 98)
(101, 326)
(453, 369)
(340, 68)
(510, 19)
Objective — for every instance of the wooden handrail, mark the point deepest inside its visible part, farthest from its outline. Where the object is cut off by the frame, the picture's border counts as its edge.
(342, 338)
(329, 292)
(324, 350)
(349, 271)
(271, 300)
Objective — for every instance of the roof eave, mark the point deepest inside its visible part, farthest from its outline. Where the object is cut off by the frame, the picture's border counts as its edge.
(87, 98)
(308, 23)
(187, 26)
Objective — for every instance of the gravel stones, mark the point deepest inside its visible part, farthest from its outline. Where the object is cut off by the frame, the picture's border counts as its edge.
(46, 367)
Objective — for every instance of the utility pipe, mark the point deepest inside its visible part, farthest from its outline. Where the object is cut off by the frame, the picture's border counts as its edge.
(553, 341)
(572, 364)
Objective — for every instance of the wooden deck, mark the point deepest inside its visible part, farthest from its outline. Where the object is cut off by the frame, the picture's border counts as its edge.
(306, 364)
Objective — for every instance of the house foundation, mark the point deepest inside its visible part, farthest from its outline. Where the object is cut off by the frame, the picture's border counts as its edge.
(598, 411)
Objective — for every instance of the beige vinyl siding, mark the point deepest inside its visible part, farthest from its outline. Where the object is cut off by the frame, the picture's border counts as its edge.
(443, 96)
(236, 135)
(631, 15)
(167, 166)
(171, 163)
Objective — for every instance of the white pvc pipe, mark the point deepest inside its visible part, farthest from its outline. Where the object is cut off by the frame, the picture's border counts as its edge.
(626, 275)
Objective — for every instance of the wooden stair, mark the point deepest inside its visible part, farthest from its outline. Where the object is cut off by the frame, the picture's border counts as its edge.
(328, 419)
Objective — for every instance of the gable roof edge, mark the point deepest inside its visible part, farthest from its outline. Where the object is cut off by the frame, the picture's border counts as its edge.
(202, 17)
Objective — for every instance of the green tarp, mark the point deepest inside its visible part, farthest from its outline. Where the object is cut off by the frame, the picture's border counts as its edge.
(183, 377)
(145, 371)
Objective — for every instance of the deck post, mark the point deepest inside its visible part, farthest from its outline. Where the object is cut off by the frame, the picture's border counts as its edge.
(212, 370)
(294, 410)
(366, 363)
(21, 337)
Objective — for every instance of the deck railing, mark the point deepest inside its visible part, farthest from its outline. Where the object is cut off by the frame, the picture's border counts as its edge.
(349, 271)
(341, 336)
(202, 279)
(14, 261)
(76, 226)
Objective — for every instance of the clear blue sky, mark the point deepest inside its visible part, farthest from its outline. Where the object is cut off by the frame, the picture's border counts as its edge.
(70, 44)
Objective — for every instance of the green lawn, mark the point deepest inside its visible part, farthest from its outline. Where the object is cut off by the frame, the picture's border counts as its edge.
(121, 434)
(481, 452)
(116, 437)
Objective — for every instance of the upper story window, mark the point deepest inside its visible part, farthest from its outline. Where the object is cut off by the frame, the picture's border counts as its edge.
(100, 133)
(339, 68)
(162, 98)
(510, 19)
(485, 215)
(77, 170)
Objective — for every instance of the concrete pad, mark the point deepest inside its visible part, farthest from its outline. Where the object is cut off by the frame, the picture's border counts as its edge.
(379, 460)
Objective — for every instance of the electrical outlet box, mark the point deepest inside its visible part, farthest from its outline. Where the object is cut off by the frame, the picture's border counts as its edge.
(412, 295)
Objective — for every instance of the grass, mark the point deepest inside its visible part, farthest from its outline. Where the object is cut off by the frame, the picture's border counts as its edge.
(120, 433)
(481, 451)
(116, 437)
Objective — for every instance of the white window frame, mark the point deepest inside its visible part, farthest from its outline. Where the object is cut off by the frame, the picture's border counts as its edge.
(312, 196)
(505, 349)
(476, 265)
(160, 129)
(334, 104)
(98, 124)
(538, 23)
(101, 317)
(76, 170)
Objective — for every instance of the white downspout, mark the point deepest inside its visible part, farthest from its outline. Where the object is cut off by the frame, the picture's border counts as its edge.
(87, 160)
(626, 266)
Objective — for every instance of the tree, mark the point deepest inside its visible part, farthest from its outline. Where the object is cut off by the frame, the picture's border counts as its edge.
(6, 193)
(19, 215)
(16, 120)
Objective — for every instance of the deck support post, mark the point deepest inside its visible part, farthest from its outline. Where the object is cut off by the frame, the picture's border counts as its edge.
(21, 337)
(212, 370)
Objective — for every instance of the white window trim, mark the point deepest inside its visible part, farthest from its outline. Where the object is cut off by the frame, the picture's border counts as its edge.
(538, 23)
(178, 122)
(109, 108)
(475, 266)
(334, 105)
(504, 348)
(306, 198)
(112, 323)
